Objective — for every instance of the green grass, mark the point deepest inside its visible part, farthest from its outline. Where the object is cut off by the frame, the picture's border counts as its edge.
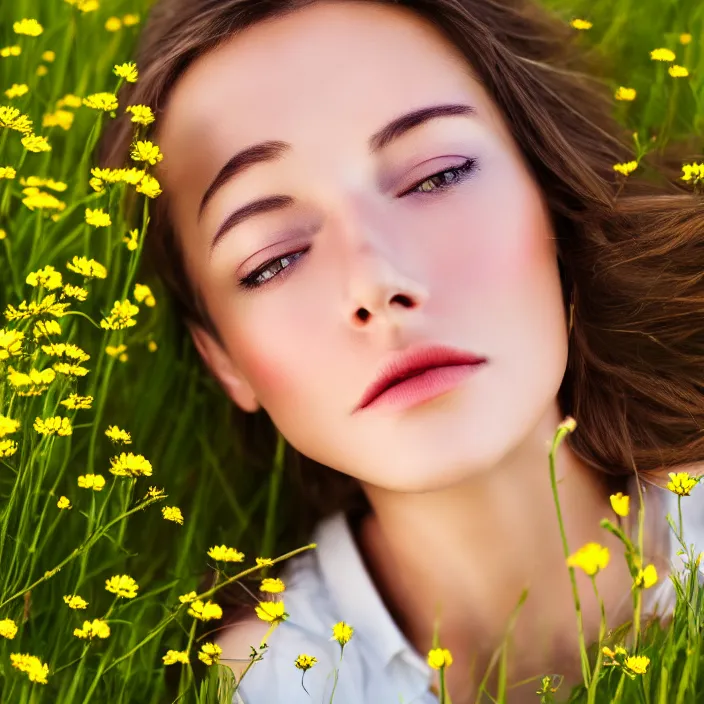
(224, 471)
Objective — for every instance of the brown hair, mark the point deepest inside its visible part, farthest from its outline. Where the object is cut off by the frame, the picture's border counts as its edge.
(631, 251)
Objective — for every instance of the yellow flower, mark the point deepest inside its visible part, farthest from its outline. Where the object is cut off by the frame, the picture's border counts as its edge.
(47, 306)
(46, 328)
(271, 611)
(264, 561)
(3, 234)
(682, 483)
(151, 346)
(36, 670)
(130, 465)
(95, 629)
(74, 601)
(47, 277)
(142, 292)
(63, 502)
(115, 350)
(274, 586)
(68, 350)
(146, 151)
(10, 343)
(626, 168)
(592, 557)
(96, 482)
(646, 578)
(154, 493)
(97, 185)
(224, 554)
(172, 513)
(685, 38)
(76, 401)
(692, 172)
(97, 217)
(210, 653)
(619, 654)
(638, 664)
(31, 28)
(662, 55)
(127, 71)
(121, 316)
(101, 101)
(38, 381)
(48, 56)
(12, 119)
(620, 504)
(7, 172)
(80, 294)
(17, 90)
(118, 435)
(35, 143)
(342, 632)
(88, 268)
(149, 186)
(69, 100)
(581, 24)
(7, 448)
(439, 657)
(186, 598)
(70, 369)
(678, 71)
(8, 425)
(8, 628)
(40, 181)
(122, 585)
(174, 656)
(141, 114)
(305, 662)
(56, 425)
(204, 611)
(85, 5)
(131, 241)
(14, 50)
(41, 200)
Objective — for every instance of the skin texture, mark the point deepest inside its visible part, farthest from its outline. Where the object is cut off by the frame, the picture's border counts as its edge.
(454, 483)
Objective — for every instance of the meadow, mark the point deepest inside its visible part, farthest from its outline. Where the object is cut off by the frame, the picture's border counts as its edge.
(132, 493)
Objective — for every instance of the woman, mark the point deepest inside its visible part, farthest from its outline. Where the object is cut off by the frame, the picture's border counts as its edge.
(356, 192)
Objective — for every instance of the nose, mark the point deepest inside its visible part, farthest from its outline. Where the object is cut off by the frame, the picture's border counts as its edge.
(379, 293)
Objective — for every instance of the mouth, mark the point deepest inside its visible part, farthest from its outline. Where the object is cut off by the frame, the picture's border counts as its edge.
(419, 374)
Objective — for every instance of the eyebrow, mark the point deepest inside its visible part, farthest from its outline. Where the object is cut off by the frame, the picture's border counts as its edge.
(271, 151)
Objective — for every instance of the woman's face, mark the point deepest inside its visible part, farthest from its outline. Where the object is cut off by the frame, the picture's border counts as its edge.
(380, 257)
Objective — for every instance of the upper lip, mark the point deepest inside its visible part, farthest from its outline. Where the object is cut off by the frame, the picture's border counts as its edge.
(413, 361)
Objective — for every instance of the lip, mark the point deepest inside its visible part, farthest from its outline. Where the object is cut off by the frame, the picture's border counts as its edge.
(419, 374)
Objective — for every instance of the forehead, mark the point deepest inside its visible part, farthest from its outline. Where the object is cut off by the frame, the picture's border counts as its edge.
(331, 69)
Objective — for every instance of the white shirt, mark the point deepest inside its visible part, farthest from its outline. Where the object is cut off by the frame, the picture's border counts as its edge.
(379, 666)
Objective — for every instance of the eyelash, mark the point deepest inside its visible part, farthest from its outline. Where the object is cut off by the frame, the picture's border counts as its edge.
(461, 172)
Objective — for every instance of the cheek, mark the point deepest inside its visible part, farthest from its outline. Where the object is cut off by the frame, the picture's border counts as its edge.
(267, 347)
(518, 251)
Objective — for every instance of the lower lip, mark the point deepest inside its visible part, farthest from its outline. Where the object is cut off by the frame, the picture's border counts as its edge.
(424, 387)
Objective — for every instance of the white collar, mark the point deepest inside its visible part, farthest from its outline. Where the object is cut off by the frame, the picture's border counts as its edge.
(356, 595)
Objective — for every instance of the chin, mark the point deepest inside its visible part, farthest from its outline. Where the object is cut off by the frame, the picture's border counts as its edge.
(422, 473)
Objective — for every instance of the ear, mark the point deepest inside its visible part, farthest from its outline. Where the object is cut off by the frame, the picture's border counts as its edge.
(221, 367)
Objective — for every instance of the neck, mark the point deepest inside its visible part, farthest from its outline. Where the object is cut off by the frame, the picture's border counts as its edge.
(465, 554)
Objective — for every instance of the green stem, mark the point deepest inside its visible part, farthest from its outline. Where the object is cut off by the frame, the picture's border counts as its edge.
(559, 435)
(591, 696)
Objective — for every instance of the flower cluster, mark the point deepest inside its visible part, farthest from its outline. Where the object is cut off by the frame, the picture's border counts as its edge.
(630, 665)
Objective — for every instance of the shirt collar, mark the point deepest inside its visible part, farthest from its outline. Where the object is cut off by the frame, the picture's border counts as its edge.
(355, 595)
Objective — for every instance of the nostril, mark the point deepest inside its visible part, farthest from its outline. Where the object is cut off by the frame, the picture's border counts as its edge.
(403, 300)
(362, 314)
